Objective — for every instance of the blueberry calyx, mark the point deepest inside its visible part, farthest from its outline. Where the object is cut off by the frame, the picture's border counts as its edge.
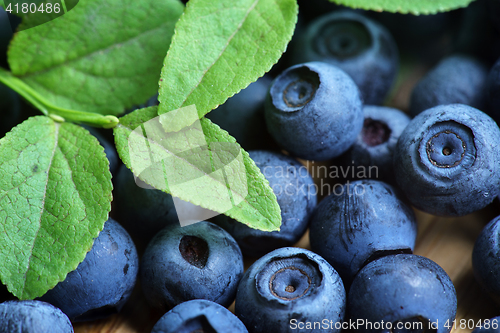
(343, 39)
(296, 88)
(288, 279)
(446, 149)
(375, 132)
(194, 250)
(299, 93)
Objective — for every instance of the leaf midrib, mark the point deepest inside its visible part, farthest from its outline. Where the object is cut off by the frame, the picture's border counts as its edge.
(56, 143)
(88, 55)
(220, 54)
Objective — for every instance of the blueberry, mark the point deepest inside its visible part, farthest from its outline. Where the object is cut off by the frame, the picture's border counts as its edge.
(296, 194)
(32, 317)
(486, 259)
(200, 260)
(488, 326)
(243, 115)
(447, 161)
(403, 290)
(141, 210)
(456, 79)
(103, 282)
(493, 92)
(199, 316)
(374, 147)
(287, 288)
(356, 44)
(314, 111)
(364, 221)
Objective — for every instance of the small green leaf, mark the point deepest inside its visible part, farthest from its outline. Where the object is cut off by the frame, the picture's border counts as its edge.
(406, 6)
(220, 47)
(103, 56)
(55, 195)
(200, 163)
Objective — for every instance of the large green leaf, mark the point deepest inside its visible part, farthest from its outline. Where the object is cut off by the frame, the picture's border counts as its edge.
(198, 162)
(406, 6)
(220, 47)
(102, 56)
(55, 195)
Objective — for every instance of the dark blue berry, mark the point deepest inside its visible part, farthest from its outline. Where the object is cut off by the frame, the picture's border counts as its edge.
(314, 111)
(32, 317)
(456, 79)
(486, 259)
(199, 315)
(365, 221)
(374, 147)
(200, 260)
(399, 289)
(287, 288)
(447, 160)
(361, 47)
(103, 282)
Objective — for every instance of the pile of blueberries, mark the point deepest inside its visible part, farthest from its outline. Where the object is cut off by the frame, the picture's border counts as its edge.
(441, 156)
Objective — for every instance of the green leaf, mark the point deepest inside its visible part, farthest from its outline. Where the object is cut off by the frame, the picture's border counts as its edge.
(220, 47)
(55, 195)
(103, 56)
(406, 6)
(199, 163)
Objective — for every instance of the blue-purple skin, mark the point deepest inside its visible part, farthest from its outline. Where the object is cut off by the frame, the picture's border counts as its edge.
(434, 170)
(358, 45)
(366, 221)
(314, 111)
(242, 116)
(456, 79)
(403, 288)
(201, 315)
(200, 260)
(488, 326)
(493, 92)
(103, 282)
(374, 147)
(287, 287)
(141, 210)
(296, 194)
(32, 317)
(486, 259)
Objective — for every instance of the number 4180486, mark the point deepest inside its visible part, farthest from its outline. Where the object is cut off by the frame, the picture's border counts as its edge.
(33, 8)
(471, 324)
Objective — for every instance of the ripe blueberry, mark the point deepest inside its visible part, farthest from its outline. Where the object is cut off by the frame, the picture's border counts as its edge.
(368, 220)
(199, 315)
(408, 292)
(103, 281)
(447, 160)
(200, 260)
(314, 111)
(290, 286)
(361, 47)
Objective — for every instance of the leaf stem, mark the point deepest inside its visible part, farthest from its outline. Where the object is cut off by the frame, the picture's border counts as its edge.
(48, 109)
